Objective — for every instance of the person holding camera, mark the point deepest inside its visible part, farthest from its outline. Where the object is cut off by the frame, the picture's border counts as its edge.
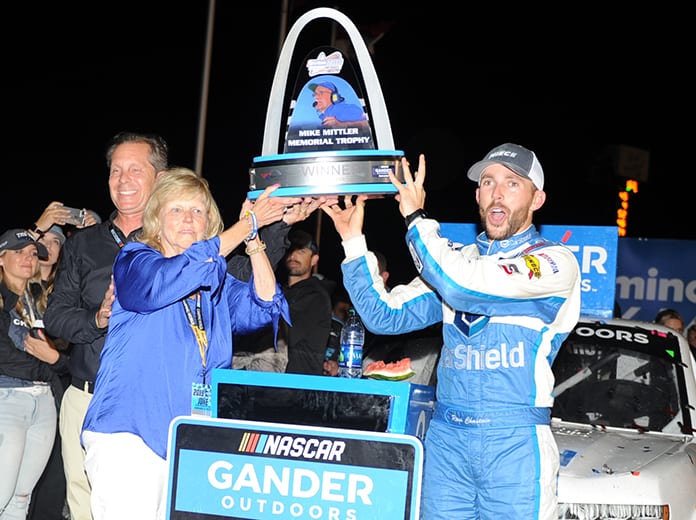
(48, 498)
(49, 495)
(30, 369)
(58, 214)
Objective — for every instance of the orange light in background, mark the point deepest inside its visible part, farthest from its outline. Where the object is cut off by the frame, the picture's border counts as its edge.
(622, 211)
(631, 185)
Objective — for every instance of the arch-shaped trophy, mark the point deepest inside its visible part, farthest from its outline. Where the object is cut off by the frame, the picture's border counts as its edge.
(334, 140)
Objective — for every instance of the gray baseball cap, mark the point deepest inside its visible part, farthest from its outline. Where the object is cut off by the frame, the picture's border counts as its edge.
(16, 239)
(516, 158)
(57, 231)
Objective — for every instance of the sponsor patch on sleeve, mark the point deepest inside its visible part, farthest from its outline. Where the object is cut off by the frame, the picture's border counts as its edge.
(551, 262)
(510, 268)
(533, 265)
(416, 261)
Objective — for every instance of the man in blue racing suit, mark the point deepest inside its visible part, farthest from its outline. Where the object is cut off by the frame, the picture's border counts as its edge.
(506, 302)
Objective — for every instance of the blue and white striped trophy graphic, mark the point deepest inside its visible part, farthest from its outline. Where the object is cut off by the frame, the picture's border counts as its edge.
(322, 136)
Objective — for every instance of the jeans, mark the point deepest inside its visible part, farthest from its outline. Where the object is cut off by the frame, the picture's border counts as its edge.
(48, 497)
(28, 428)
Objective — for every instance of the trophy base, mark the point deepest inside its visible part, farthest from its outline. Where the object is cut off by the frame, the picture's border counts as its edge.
(348, 172)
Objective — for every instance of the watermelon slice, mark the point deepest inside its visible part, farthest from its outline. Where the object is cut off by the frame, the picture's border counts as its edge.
(395, 371)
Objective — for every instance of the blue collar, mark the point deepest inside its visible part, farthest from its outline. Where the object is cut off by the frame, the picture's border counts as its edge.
(488, 247)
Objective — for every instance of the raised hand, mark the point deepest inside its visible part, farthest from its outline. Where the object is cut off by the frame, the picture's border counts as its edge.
(55, 213)
(104, 312)
(411, 194)
(269, 209)
(299, 212)
(349, 219)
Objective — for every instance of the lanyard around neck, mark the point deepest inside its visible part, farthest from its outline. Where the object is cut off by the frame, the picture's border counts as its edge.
(115, 236)
(197, 326)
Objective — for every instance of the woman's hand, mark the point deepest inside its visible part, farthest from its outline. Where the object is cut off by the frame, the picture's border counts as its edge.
(90, 220)
(268, 209)
(41, 348)
(55, 213)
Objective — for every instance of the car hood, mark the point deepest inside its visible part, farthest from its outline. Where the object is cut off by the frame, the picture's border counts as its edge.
(588, 450)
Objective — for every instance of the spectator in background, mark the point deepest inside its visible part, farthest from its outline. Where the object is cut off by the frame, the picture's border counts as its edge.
(340, 305)
(691, 337)
(30, 366)
(310, 307)
(301, 347)
(382, 266)
(56, 213)
(670, 318)
(48, 498)
(53, 239)
(157, 360)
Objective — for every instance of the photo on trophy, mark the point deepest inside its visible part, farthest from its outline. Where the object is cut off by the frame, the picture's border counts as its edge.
(328, 115)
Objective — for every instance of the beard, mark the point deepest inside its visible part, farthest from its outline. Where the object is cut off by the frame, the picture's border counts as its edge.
(512, 224)
(297, 269)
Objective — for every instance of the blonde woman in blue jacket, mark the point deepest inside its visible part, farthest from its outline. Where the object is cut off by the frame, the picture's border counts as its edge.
(172, 320)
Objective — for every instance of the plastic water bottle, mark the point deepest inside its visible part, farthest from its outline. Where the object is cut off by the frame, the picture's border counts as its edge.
(352, 341)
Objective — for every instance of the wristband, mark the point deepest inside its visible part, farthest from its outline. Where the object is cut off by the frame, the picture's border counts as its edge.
(256, 249)
(38, 230)
(254, 226)
(413, 216)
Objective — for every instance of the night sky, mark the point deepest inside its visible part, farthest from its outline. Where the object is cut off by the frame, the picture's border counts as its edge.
(572, 86)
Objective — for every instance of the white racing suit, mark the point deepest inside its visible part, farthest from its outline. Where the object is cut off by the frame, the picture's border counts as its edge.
(506, 307)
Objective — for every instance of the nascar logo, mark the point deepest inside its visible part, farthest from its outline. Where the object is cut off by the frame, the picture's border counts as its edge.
(290, 446)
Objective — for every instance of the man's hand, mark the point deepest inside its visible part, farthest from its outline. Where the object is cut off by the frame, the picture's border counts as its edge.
(349, 220)
(104, 312)
(299, 212)
(411, 195)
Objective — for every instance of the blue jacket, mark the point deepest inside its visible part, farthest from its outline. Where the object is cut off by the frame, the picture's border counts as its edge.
(506, 307)
(151, 358)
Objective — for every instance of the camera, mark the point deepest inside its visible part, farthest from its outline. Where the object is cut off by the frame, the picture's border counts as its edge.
(77, 216)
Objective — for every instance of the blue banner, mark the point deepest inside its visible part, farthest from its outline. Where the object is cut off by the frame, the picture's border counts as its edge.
(654, 274)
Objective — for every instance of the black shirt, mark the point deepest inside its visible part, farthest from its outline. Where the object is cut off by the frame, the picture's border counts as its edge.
(310, 312)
